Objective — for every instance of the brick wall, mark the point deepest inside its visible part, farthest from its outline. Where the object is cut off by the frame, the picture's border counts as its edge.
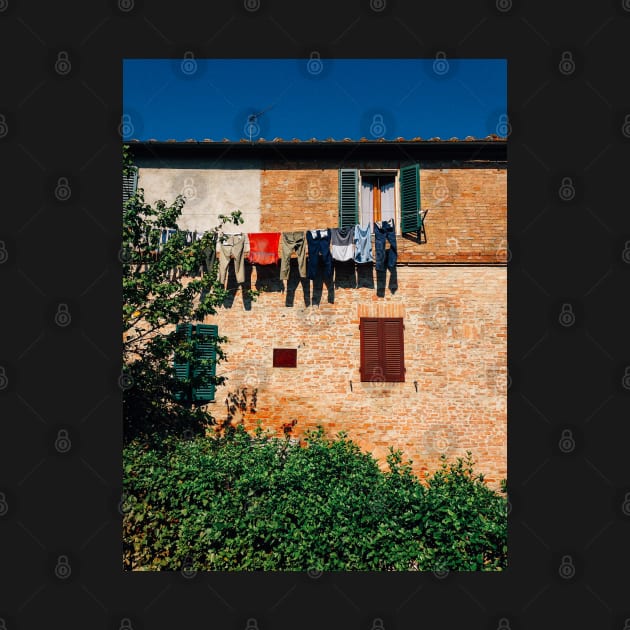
(455, 350)
(467, 216)
(454, 397)
(466, 220)
(298, 199)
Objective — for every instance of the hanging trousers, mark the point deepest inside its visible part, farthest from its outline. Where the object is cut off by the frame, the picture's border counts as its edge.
(319, 245)
(235, 245)
(382, 234)
(292, 241)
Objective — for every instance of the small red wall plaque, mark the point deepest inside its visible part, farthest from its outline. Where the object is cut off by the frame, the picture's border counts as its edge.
(284, 357)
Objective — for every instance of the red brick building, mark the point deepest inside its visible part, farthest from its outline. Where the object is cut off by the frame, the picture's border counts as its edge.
(447, 297)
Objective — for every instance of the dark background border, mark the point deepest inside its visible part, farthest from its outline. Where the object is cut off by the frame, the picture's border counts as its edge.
(569, 483)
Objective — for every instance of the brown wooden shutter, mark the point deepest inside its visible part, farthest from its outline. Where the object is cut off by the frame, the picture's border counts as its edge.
(393, 349)
(382, 349)
(370, 349)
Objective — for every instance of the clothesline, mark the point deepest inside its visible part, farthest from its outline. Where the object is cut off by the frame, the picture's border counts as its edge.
(192, 236)
(342, 244)
(309, 246)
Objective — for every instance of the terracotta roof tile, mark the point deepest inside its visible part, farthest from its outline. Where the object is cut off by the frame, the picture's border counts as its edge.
(277, 140)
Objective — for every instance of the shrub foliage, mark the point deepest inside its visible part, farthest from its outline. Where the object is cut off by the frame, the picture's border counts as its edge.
(239, 501)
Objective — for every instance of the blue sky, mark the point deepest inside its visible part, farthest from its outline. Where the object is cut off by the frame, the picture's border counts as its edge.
(313, 98)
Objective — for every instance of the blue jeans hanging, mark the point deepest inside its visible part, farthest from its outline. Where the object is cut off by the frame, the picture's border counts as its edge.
(381, 234)
(319, 244)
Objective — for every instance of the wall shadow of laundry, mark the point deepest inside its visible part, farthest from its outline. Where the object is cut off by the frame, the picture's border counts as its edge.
(318, 287)
(345, 274)
(365, 275)
(293, 281)
(267, 278)
(233, 287)
(381, 282)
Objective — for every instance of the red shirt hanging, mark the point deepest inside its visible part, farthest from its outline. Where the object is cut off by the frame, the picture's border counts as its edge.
(263, 248)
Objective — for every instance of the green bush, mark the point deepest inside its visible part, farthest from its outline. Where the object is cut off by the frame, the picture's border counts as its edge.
(255, 502)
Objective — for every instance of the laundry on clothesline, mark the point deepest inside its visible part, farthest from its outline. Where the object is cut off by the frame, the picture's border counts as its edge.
(263, 248)
(233, 246)
(362, 244)
(384, 232)
(319, 249)
(342, 243)
(311, 247)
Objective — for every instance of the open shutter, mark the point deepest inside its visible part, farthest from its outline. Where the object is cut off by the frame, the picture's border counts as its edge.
(371, 368)
(205, 363)
(130, 184)
(348, 197)
(410, 198)
(182, 368)
(393, 349)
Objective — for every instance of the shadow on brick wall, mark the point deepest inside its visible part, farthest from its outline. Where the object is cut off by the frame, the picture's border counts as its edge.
(293, 281)
(233, 288)
(365, 276)
(267, 278)
(345, 274)
(318, 289)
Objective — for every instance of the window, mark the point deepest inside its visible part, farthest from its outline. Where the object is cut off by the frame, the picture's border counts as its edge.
(377, 197)
(382, 349)
(197, 375)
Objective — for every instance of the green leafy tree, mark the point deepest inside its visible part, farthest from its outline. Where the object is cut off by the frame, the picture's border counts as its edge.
(162, 286)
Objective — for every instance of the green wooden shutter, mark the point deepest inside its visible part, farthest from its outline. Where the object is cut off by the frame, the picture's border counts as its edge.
(130, 184)
(393, 349)
(348, 197)
(410, 198)
(182, 368)
(205, 363)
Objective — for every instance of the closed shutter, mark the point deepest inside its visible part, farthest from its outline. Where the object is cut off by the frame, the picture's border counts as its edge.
(371, 368)
(205, 363)
(348, 197)
(393, 349)
(382, 349)
(130, 183)
(410, 198)
(182, 368)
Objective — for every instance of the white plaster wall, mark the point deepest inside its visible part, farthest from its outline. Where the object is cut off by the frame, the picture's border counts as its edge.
(208, 191)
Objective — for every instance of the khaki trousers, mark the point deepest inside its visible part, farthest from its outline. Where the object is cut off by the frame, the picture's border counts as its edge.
(236, 245)
(292, 241)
